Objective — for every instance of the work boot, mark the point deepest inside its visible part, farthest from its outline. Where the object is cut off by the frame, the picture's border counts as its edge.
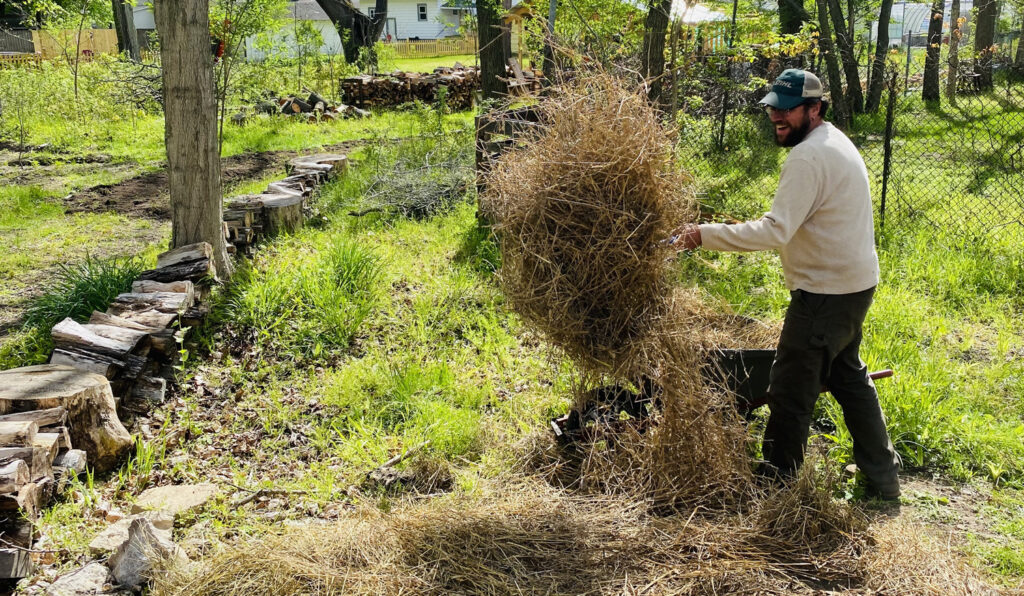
(887, 494)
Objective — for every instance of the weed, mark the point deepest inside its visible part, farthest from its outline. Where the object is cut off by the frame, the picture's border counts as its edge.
(77, 290)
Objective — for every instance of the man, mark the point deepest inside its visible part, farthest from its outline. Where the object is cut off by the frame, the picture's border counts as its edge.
(821, 223)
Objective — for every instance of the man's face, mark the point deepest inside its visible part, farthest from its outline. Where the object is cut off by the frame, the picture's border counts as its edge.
(791, 126)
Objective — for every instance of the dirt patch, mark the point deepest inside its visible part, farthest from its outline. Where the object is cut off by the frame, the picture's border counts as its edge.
(147, 195)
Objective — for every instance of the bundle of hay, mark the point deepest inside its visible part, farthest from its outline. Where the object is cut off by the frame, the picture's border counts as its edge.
(583, 211)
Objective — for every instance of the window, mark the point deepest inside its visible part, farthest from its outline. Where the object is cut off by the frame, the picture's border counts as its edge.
(373, 12)
(421, 12)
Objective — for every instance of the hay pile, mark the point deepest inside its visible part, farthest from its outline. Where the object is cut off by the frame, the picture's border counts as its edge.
(533, 539)
(582, 212)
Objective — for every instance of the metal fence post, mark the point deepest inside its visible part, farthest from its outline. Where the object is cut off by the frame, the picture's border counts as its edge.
(890, 112)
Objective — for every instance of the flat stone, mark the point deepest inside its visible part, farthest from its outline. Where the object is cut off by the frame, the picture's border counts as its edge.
(94, 578)
(116, 533)
(145, 554)
(175, 499)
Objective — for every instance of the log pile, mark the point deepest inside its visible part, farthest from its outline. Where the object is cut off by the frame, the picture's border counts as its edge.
(248, 219)
(460, 83)
(314, 108)
(47, 411)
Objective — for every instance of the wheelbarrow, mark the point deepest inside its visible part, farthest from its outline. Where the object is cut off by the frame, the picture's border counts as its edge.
(742, 373)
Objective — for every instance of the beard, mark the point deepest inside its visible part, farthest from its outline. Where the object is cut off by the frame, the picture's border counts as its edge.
(795, 134)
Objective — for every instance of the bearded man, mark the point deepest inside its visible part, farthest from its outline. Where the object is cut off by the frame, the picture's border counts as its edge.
(821, 223)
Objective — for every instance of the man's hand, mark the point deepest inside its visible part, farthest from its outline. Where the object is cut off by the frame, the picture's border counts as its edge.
(689, 238)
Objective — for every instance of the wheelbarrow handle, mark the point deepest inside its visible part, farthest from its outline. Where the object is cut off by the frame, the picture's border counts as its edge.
(757, 403)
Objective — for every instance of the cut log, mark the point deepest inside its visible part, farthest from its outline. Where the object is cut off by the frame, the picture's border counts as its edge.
(47, 417)
(49, 445)
(19, 433)
(184, 254)
(278, 188)
(13, 475)
(150, 318)
(102, 318)
(72, 460)
(17, 532)
(164, 343)
(283, 214)
(63, 435)
(194, 271)
(77, 338)
(89, 402)
(166, 302)
(15, 563)
(94, 363)
(130, 336)
(175, 287)
(150, 389)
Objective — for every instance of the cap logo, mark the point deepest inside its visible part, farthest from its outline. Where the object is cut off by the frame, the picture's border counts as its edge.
(782, 83)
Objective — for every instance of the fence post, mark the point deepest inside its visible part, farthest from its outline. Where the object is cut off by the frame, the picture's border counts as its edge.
(890, 112)
(728, 76)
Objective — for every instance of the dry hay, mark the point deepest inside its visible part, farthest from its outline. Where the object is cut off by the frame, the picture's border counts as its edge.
(581, 211)
(528, 538)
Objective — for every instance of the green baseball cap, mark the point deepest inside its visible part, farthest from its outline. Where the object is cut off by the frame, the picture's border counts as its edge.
(792, 88)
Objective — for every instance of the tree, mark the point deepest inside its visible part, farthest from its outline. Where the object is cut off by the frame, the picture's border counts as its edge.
(931, 91)
(792, 16)
(955, 33)
(492, 52)
(652, 54)
(358, 32)
(190, 126)
(844, 39)
(835, 78)
(878, 60)
(984, 38)
(124, 25)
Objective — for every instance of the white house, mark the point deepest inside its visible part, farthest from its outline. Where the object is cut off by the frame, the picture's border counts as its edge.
(407, 19)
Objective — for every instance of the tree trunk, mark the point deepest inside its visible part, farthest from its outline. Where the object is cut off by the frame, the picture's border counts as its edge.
(792, 16)
(549, 45)
(356, 30)
(835, 79)
(190, 126)
(984, 37)
(878, 60)
(854, 95)
(124, 24)
(492, 53)
(931, 91)
(652, 53)
(1018, 61)
(954, 47)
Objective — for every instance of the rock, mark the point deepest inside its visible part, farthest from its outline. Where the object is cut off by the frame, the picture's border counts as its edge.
(92, 415)
(175, 499)
(94, 578)
(116, 534)
(146, 553)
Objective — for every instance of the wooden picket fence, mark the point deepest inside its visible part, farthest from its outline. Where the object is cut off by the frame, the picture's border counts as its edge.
(20, 60)
(431, 48)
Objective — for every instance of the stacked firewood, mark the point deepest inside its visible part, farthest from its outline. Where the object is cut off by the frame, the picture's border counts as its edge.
(281, 208)
(403, 87)
(314, 108)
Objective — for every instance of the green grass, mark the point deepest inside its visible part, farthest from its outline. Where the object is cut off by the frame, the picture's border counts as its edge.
(429, 64)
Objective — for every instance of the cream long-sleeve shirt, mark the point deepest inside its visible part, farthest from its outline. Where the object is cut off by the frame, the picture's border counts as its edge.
(821, 220)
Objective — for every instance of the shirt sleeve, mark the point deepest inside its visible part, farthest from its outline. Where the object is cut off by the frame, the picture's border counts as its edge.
(793, 204)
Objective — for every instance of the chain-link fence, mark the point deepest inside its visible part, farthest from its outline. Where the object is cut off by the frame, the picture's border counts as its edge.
(955, 165)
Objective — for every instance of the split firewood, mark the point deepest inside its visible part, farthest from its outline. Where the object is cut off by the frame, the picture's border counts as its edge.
(184, 254)
(18, 433)
(42, 418)
(75, 337)
(102, 318)
(177, 287)
(166, 302)
(13, 475)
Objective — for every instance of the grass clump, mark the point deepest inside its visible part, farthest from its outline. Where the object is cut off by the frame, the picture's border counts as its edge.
(79, 289)
(307, 297)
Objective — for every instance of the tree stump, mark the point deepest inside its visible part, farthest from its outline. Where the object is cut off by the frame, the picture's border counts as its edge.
(283, 214)
(86, 396)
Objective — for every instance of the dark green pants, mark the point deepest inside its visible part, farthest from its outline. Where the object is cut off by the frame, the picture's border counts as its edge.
(820, 345)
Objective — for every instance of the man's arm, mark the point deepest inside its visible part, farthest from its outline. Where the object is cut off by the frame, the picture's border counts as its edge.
(794, 199)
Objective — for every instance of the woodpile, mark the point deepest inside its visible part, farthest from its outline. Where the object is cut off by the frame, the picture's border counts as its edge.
(280, 209)
(460, 82)
(314, 108)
